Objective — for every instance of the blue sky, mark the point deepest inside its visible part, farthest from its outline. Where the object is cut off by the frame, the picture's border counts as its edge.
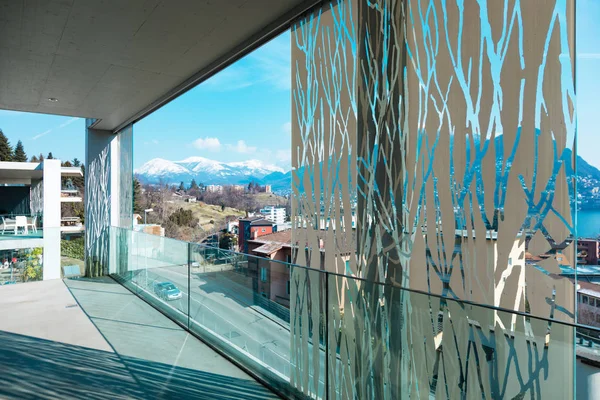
(239, 114)
(244, 112)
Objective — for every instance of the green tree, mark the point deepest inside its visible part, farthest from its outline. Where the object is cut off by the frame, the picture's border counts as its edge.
(193, 185)
(181, 187)
(34, 159)
(227, 240)
(76, 162)
(5, 149)
(41, 157)
(183, 217)
(137, 197)
(20, 155)
(50, 156)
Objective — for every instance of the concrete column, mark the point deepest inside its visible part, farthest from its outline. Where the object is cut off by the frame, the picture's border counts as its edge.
(109, 173)
(51, 190)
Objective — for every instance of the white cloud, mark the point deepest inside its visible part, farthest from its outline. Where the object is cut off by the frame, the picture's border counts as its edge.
(210, 144)
(241, 147)
(287, 128)
(66, 123)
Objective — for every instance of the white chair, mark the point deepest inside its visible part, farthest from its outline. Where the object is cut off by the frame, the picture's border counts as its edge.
(8, 224)
(33, 224)
(21, 222)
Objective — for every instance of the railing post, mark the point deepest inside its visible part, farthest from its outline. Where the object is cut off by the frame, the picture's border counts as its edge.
(189, 275)
(326, 335)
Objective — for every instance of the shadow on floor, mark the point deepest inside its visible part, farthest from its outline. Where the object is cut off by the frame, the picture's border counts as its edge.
(33, 368)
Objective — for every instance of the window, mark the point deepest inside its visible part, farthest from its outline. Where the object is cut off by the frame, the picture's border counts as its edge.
(288, 288)
(597, 302)
(263, 274)
(264, 230)
(510, 261)
(288, 259)
(584, 299)
(598, 318)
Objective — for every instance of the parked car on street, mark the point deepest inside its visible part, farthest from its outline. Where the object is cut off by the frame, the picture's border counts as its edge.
(167, 291)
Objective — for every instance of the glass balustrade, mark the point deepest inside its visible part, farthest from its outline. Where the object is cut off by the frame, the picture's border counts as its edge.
(313, 334)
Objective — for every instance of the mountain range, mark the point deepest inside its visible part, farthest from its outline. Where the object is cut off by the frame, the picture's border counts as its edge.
(211, 172)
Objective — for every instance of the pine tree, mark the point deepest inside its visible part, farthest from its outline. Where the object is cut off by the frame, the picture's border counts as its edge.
(34, 159)
(137, 196)
(41, 157)
(20, 155)
(76, 162)
(193, 185)
(181, 187)
(5, 149)
(50, 156)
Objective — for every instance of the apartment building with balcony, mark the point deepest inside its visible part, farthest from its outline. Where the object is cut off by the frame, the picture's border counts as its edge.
(412, 125)
(274, 214)
(31, 195)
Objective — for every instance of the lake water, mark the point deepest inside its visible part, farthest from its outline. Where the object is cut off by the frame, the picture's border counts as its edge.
(588, 223)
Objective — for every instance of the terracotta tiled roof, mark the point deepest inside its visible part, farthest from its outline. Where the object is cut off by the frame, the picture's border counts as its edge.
(285, 238)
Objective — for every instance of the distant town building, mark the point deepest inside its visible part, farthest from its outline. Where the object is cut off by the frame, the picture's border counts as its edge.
(268, 189)
(239, 188)
(214, 188)
(274, 214)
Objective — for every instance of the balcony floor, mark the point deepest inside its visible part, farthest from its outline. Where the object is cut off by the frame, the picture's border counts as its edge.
(93, 339)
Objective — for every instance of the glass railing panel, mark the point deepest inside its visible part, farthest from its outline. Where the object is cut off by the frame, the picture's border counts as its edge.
(238, 305)
(387, 342)
(162, 274)
(21, 265)
(72, 252)
(312, 334)
(154, 267)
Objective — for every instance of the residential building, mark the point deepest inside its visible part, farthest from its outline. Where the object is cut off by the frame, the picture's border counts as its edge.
(588, 304)
(31, 195)
(273, 277)
(268, 189)
(213, 188)
(252, 228)
(588, 251)
(274, 214)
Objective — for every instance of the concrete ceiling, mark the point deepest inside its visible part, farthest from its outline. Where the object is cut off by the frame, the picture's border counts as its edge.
(112, 59)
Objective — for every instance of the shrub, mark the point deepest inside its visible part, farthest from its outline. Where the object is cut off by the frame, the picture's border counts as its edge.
(72, 248)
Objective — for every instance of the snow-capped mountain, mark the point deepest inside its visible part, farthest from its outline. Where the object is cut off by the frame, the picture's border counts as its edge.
(204, 170)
